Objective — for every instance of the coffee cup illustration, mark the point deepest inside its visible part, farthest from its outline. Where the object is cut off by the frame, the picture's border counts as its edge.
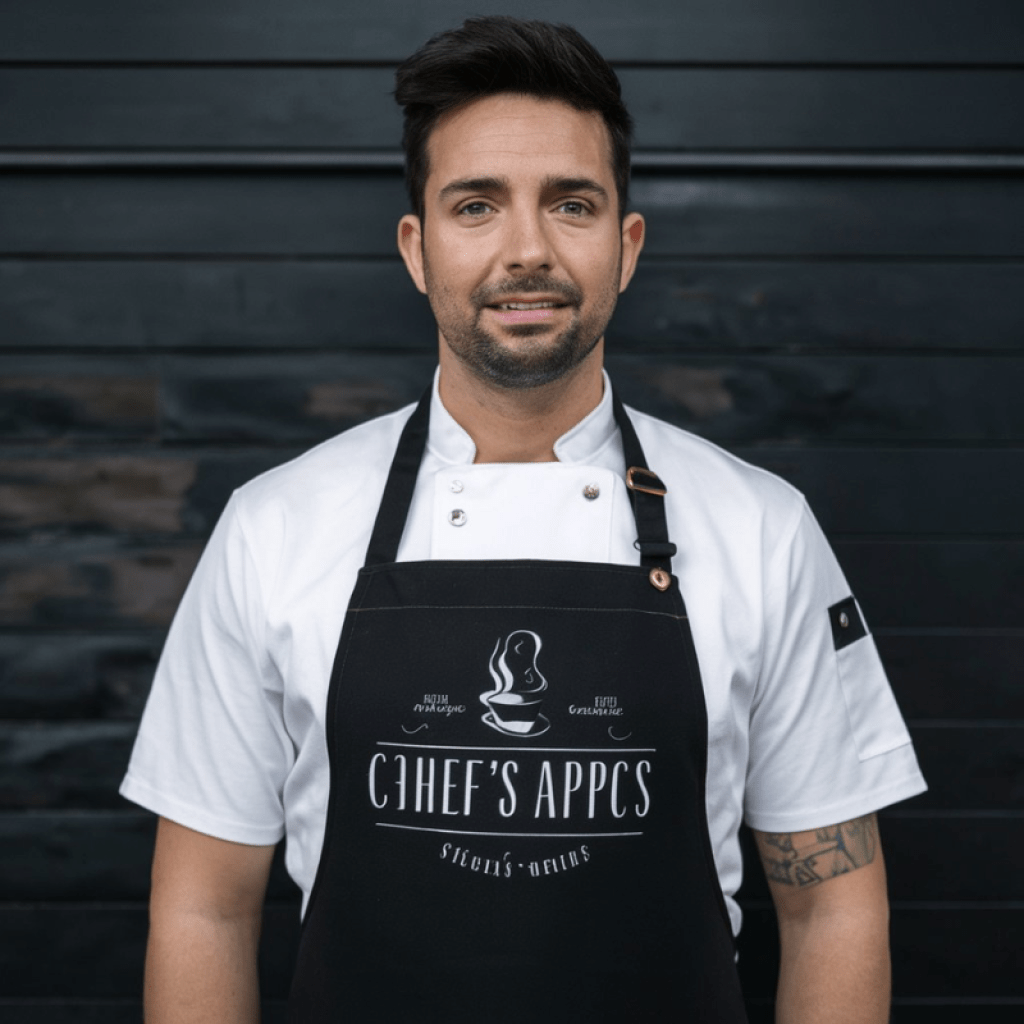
(514, 703)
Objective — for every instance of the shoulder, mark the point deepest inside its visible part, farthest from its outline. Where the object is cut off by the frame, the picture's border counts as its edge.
(323, 500)
(338, 470)
(705, 481)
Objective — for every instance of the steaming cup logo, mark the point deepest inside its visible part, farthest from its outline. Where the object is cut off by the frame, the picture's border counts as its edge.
(514, 703)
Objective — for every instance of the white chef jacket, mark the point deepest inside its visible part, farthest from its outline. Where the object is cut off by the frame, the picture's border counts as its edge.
(232, 741)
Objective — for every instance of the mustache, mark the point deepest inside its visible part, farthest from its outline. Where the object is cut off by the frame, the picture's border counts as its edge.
(488, 295)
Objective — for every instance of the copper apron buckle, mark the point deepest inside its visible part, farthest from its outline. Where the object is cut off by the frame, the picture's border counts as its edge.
(657, 488)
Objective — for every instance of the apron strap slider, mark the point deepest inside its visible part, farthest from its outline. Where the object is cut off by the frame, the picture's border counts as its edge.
(655, 486)
(655, 549)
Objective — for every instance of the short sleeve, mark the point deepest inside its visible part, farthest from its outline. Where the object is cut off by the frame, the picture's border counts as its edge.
(212, 752)
(827, 740)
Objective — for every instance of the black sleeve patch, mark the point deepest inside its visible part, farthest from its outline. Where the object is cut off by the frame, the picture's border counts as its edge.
(847, 625)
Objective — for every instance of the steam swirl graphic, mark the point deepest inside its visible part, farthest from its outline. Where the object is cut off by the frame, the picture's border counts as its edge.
(519, 685)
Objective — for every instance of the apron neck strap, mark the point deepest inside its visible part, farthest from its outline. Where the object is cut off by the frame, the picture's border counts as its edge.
(646, 494)
(398, 491)
(646, 491)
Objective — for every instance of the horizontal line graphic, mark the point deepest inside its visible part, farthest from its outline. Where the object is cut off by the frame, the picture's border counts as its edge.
(512, 835)
(518, 750)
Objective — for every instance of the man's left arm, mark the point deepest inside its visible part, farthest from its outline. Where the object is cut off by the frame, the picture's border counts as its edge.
(829, 890)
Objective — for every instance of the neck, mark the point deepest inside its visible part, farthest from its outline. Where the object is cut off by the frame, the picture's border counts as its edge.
(519, 426)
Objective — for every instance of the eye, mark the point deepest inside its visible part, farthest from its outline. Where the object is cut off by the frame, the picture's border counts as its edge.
(477, 208)
(574, 207)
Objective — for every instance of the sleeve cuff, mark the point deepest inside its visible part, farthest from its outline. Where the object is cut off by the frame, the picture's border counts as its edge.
(855, 806)
(197, 819)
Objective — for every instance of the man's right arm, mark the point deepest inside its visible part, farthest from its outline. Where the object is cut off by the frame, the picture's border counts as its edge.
(205, 911)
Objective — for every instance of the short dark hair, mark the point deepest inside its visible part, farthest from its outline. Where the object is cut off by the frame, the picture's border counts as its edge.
(498, 54)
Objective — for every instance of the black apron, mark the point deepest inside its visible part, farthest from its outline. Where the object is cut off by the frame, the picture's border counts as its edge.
(516, 829)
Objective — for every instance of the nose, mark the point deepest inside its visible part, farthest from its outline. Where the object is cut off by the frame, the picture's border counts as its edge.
(527, 245)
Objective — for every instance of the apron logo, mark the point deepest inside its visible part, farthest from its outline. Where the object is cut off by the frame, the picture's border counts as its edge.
(515, 701)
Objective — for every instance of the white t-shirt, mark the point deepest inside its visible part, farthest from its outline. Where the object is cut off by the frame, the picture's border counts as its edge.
(232, 742)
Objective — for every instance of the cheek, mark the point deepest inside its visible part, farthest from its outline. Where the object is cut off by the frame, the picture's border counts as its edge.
(455, 258)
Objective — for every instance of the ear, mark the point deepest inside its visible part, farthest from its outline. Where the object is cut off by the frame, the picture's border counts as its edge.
(633, 231)
(410, 245)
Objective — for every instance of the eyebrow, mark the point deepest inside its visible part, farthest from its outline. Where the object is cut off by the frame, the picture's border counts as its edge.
(551, 183)
(463, 186)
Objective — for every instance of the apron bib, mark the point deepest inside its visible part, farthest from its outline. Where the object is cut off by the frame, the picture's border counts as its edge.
(516, 829)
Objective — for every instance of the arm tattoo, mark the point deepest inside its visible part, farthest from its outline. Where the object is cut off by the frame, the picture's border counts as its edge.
(807, 858)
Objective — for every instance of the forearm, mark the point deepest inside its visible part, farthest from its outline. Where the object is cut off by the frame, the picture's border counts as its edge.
(202, 970)
(835, 969)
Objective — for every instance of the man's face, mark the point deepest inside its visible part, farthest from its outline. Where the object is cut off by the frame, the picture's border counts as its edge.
(521, 252)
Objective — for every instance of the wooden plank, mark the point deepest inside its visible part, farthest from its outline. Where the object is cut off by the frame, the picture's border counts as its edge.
(120, 493)
(738, 400)
(93, 856)
(936, 584)
(36, 407)
(106, 676)
(905, 492)
(676, 305)
(958, 676)
(955, 1010)
(79, 765)
(807, 398)
(853, 491)
(159, 305)
(970, 767)
(950, 951)
(931, 859)
(807, 109)
(101, 948)
(732, 399)
(292, 400)
(66, 765)
(93, 677)
(71, 1011)
(841, 215)
(127, 1011)
(952, 858)
(798, 306)
(648, 30)
(311, 214)
(93, 584)
(902, 584)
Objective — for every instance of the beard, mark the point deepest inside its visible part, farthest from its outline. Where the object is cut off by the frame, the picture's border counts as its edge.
(522, 363)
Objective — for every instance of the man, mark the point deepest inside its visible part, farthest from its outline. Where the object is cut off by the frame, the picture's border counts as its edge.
(579, 646)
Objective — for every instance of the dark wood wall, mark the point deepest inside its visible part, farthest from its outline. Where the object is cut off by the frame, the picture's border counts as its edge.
(198, 279)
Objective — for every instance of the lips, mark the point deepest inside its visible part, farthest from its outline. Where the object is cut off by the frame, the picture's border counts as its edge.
(529, 315)
(527, 309)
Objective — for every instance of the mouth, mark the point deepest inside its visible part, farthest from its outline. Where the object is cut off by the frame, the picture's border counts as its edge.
(527, 305)
(526, 312)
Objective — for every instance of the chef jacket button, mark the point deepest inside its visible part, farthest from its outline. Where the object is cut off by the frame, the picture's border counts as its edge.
(456, 486)
(844, 620)
(591, 491)
(457, 517)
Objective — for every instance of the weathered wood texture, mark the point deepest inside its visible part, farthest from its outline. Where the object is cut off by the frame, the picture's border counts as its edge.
(352, 108)
(165, 335)
(672, 306)
(975, 32)
(355, 214)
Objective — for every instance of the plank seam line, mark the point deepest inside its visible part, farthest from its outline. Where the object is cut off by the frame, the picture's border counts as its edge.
(272, 64)
(242, 159)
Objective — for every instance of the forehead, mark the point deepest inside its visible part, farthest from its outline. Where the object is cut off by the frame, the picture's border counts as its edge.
(518, 137)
